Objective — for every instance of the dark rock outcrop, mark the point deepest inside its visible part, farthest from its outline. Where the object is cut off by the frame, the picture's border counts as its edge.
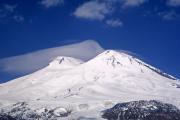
(6, 117)
(21, 111)
(142, 110)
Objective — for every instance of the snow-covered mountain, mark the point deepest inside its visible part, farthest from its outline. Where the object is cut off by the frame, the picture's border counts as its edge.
(91, 86)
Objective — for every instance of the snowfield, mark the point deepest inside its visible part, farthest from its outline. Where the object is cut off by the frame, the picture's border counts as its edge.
(84, 89)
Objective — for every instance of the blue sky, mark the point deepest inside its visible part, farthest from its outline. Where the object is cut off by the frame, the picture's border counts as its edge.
(148, 28)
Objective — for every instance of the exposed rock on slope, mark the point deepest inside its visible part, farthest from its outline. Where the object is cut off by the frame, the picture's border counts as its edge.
(21, 111)
(142, 110)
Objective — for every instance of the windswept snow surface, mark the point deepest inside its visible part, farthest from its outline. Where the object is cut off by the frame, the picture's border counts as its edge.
(89, 87)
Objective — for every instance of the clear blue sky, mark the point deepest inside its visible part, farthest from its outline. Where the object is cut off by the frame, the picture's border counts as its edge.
(149, 28)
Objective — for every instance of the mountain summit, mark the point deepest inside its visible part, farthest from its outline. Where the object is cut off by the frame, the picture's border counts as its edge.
(64, 62)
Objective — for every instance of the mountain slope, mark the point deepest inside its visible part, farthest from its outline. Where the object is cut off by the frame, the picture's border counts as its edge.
(108, 78)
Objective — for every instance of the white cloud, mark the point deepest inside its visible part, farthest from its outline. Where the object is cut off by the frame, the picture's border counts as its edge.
(10, 8)
(9, 12)
(132, 3)
(18, 18)
(93, 10)
(169, 15)
(31, 62)
(173, 3)
(114, 23)
(51, 3)
(103, 10)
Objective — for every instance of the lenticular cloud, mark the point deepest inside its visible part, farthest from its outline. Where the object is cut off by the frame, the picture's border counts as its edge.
(31, 62)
